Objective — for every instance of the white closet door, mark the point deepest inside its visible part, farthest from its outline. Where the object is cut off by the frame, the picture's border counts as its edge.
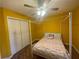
(14, 35)
(25, 33)
(17, 36)
(11, 35)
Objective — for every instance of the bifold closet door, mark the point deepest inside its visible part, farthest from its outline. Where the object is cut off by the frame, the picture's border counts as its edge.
(14, 35)
(18, 34)
(24, 33)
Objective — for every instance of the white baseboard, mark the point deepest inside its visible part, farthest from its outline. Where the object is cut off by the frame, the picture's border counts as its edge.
(73, 47)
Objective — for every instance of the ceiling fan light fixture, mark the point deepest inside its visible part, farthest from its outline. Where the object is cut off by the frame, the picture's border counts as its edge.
(41, 12)
(38, 13)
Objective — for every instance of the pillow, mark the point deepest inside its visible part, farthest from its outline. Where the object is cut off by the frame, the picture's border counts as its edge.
(53, 35)
(57, 36)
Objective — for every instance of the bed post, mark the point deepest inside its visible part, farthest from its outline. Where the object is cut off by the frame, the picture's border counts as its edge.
(30, 34)
(70, 34)
(30, 37)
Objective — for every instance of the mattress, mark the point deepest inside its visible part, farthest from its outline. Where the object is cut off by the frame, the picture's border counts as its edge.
(50, 49)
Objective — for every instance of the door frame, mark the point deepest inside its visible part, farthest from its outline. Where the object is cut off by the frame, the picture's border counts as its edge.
(19, 19)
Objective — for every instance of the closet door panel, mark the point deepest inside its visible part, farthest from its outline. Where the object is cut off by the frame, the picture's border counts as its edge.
(25, 33)
(14, 35)
(17, 34)
(11, 29)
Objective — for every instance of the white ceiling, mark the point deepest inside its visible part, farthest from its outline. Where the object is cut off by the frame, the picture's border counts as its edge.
(18, 6)
(0, 3)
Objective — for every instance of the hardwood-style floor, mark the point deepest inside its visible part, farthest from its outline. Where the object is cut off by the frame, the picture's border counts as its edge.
(37, 57)
(26, 54)
(75, 54)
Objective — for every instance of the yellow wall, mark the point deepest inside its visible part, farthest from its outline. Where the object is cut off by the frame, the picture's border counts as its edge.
(0, 32)
(54, 24)
(76, 28)
(4, 33)
(65, 31)
(0, 29)
(34, 31)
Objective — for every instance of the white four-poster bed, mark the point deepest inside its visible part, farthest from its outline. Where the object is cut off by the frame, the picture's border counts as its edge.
(51, 45)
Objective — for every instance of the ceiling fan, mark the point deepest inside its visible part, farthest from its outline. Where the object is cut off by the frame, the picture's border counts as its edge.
(29, 6)
(40, 4)
(41, 7)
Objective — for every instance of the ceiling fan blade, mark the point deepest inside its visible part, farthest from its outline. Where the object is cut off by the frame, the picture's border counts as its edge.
(55, 9)
(40, 3)
(26, 5)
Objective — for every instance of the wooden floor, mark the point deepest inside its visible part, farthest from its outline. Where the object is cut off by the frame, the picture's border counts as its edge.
(37, 57)
(75, 55)
(26, 54)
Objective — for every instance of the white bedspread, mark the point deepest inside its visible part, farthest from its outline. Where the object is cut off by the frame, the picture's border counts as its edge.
(50, 49)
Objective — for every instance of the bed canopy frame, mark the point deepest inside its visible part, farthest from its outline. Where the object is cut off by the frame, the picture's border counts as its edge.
(70, 33)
